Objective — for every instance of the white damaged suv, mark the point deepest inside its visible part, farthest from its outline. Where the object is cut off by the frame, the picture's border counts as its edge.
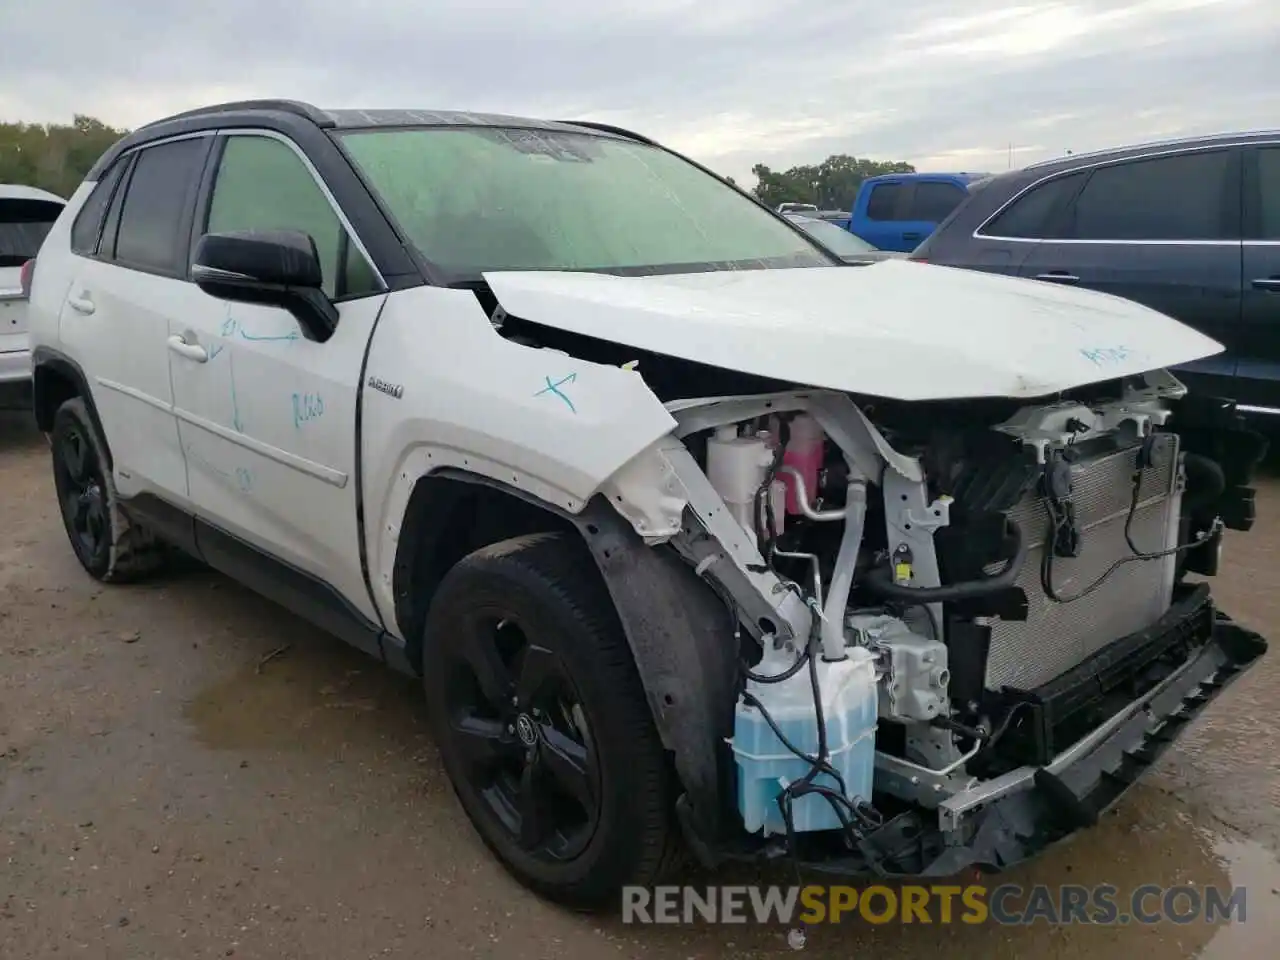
(697, 538)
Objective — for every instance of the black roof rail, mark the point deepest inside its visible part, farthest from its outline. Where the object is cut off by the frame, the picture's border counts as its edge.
(296, 107)
(610, 128)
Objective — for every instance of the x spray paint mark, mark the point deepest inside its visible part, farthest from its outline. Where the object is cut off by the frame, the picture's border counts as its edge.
(555, 388)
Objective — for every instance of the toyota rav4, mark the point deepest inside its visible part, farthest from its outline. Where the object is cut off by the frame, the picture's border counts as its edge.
(697, 538)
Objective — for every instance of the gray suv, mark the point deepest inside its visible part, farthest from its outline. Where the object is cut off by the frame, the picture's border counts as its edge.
(1188, 227)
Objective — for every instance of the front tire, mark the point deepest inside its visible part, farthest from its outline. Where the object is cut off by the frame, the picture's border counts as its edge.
(542, 723)
(109, 546)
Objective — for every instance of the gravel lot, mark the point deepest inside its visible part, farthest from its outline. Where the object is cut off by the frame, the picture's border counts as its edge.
(187, 771)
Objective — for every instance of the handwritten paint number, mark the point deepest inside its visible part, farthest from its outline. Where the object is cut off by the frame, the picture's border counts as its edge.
(307, 406)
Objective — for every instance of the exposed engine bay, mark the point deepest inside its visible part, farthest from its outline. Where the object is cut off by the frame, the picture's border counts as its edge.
(958, 629)
(928, 602)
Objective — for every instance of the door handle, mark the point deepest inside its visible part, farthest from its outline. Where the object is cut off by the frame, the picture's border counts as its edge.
(1267, 283)
(911, 236)
(191, 351)
(1058, 276)
(81, 304)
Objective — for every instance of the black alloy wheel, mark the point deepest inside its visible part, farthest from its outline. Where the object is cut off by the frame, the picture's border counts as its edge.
(543, 725)
(78, 480)
(109, 545)
(516, 715)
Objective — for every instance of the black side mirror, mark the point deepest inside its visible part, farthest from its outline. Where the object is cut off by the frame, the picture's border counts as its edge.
(279, 268)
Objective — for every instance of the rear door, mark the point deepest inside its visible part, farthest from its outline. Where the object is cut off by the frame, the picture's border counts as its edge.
(1258, 368)
(115, 317)
(26, 216)
(928, 203)
(1163, 231)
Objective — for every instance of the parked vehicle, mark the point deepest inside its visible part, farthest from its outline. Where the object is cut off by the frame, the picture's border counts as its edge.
(26, 215)
(690, 531)
(797, 208)
(897, 211)
(842, 243)
(1188, 227)
(839, 217)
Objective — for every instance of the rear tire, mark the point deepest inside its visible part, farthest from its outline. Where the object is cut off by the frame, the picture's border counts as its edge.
(109, 546)
(543, 725)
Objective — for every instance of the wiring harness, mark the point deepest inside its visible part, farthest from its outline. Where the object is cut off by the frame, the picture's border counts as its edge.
(1063, 538)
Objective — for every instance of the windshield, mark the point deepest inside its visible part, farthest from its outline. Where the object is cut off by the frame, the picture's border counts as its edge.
(836, 239)
(477, 199)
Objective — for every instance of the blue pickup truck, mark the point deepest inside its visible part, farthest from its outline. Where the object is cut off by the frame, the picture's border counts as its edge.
(897, 211)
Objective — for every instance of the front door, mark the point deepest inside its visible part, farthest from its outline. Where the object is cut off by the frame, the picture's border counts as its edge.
(267, 416)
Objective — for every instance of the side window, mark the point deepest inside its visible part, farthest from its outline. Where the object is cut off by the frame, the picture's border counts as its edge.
(1028, 217)
(88, 223)
(1169, 198)
(156, 205)
(884, 201)
(262, 184)
(935, 201)
(1269, 187)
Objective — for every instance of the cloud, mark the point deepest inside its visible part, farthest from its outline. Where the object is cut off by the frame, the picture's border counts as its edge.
(730, 82)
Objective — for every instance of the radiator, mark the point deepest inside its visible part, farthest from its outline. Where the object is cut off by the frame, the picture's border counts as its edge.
(1057, 636)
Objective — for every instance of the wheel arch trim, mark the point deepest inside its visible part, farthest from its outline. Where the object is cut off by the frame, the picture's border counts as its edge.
(680, 633)
(46, 361)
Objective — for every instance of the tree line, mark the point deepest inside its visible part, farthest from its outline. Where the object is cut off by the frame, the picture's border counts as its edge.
(56, 157)
(829, 185)
(53, 156)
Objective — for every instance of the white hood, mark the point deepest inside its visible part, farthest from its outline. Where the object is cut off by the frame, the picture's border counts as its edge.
(898, 329)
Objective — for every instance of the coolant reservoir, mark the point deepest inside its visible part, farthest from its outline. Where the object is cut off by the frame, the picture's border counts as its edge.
(765, 766)
(736, 467)
(806, 449)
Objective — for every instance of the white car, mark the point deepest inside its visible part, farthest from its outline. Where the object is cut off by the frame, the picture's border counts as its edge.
(695, 537)
(26, 215)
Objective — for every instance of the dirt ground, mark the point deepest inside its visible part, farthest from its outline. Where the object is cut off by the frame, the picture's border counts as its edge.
(187, 771)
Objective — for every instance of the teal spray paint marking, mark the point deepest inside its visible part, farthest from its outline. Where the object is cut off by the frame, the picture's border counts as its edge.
(555, 388)
(243, 477)
(291, 335)
(1103, 356)
(231, 326)
(307, 406)
(236, 422)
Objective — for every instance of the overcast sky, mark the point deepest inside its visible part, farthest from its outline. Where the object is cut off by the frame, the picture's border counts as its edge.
(939, 83)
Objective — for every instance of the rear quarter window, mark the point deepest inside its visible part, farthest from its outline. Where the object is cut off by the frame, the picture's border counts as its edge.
(87, 227)
(1030, 215)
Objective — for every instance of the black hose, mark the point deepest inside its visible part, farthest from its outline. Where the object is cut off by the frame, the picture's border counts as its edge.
(880, 581)
(786, 674)
(1206, 482)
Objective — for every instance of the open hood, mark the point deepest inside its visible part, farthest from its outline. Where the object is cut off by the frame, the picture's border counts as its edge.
(896, 329)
